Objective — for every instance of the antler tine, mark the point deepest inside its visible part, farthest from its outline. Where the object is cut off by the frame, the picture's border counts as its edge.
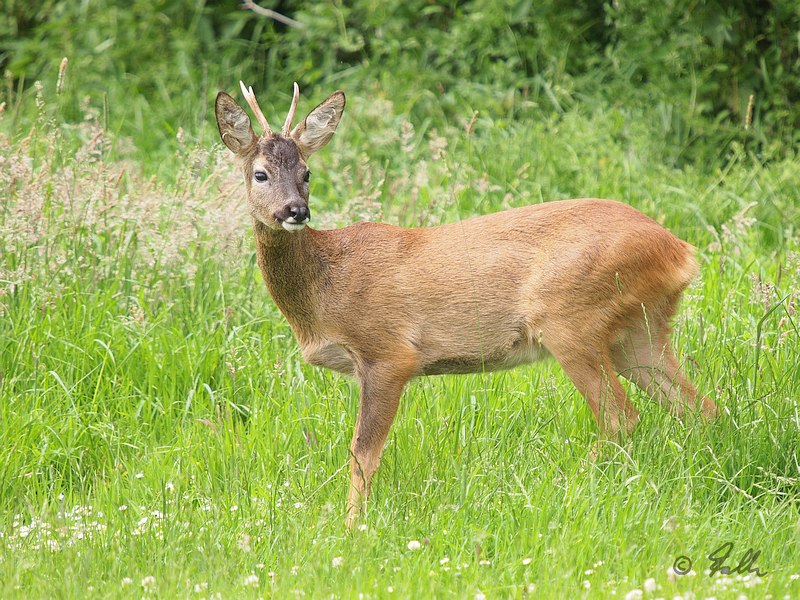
(248, 94)
(290, 117)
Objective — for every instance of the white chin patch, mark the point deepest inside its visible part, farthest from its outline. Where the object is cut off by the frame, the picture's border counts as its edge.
(292, 226)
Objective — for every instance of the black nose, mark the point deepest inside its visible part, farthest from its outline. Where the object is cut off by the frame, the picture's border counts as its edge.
(301, 214)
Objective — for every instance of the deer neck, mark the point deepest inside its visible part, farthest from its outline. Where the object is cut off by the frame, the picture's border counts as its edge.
(292, 268)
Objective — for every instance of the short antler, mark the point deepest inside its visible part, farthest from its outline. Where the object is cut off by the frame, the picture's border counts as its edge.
(251, 100)
(287, 126)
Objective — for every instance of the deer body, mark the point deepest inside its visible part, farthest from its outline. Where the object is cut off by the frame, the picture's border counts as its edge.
(477, 295)
(591, 282)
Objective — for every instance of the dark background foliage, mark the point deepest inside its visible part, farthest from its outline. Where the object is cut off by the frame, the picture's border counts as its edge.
(689, 66)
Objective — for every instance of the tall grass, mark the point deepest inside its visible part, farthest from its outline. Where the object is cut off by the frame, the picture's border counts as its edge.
(162, 437)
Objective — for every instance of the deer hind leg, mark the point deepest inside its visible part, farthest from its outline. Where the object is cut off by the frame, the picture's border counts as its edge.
(644, 356)
(593, 374)
(381, 386)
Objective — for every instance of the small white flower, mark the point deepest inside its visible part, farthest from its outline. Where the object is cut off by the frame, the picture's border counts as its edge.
(751, 581)
(149, 584)
(251, 580)
(414, 545)
(484, 563)
(170, 487)
(587, 584)
(670, 523)
(526, 561)
(649, 585)
(338, 561)
(671, 575)
(126, 581)
(480, 596)
(390, 589)
(123, 508)
(234, 508)
(139, 476)
(444, 561)
(634, 595)
(588, 572)
(201, 587)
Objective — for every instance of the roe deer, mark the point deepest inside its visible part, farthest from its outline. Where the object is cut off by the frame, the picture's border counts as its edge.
(593, 283)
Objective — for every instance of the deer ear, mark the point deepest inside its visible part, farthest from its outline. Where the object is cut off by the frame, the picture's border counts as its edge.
(318, 127)
(233, 124)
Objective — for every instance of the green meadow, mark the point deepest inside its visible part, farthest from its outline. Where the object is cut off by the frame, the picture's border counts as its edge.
(160, 435)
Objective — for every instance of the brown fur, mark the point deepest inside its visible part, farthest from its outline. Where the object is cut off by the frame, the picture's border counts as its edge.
(594, 283)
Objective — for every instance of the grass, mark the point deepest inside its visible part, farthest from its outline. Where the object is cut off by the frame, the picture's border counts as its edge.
(162, 436)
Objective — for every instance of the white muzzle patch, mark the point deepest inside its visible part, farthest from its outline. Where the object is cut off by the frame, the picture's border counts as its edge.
(292, 226)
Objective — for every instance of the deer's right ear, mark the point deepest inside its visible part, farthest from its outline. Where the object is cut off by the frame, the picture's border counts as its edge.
(233, 124)
(318, 127)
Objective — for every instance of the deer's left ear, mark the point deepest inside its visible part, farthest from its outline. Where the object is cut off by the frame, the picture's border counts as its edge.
(318, 127)
(233, 124)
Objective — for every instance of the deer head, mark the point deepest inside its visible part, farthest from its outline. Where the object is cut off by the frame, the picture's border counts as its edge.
(274, 164)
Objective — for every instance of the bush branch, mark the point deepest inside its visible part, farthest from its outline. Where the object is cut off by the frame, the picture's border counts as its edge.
(265, 12)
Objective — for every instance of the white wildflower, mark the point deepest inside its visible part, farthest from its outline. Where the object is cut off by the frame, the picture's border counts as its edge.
(149, 584)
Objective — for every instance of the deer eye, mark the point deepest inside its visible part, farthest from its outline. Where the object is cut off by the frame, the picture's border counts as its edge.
(260, 176)
(307, 176)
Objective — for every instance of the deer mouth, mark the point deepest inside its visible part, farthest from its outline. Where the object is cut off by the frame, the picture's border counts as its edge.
(292, 226)
(290, 223)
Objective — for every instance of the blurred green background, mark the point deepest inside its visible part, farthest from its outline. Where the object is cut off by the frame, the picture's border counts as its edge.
(686, 68)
